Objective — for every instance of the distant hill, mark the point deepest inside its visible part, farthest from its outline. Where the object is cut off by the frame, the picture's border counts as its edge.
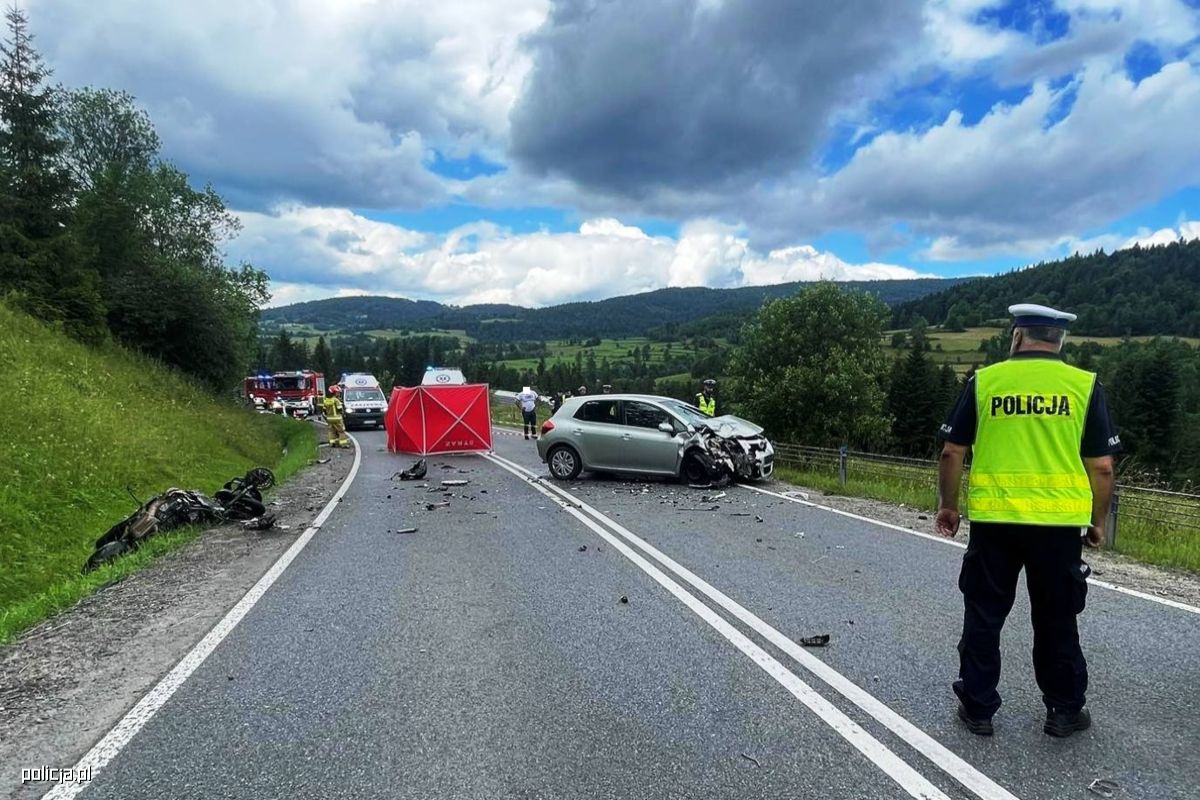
(1142, 291)
(629, 315)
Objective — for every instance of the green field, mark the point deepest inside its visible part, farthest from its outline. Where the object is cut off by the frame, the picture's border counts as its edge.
(961, 348)
(615, 350)
(92, 422)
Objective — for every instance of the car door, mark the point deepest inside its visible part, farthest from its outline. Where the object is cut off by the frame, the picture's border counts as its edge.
(647, 448)
(597, 434)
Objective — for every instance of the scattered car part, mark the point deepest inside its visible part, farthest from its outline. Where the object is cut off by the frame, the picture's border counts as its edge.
(821, 640)
(416, 472)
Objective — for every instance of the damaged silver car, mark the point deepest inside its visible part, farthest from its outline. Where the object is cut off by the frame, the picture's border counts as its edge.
(651, 435)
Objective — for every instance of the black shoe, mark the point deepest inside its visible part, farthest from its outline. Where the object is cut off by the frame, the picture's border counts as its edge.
(979, 727)
(527, 437)
(1063, 723)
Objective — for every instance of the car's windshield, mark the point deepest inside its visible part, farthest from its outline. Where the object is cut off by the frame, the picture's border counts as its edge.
(689, 414)
(357, 395)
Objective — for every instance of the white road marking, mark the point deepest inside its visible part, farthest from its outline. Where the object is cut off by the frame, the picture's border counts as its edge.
(1104, 584)
(950, 763)
(915, 784)
(107, 748)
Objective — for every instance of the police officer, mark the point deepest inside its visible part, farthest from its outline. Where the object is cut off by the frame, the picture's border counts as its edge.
(1041, 478)
(706, 400)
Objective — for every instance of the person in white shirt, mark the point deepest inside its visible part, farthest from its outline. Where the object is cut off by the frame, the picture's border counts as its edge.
(527, 400)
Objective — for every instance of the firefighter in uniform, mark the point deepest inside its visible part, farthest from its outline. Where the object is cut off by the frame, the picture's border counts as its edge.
(1041, 480)
(332, 405)
(706, 399)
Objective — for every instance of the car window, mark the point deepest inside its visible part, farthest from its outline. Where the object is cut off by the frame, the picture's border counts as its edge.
(644, 415)
(690, 413)
(598, 411)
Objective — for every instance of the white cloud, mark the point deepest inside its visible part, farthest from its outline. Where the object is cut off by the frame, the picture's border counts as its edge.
(331, 103)
(314, 252)
(1021, 176)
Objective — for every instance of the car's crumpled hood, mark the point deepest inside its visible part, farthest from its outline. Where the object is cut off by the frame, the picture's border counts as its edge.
(729, 426)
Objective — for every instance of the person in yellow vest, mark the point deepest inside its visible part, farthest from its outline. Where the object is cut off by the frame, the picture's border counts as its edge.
(706, 400)
(1041, 481)
(332, 406)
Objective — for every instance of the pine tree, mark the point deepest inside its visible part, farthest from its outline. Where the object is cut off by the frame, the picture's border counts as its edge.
(39, 258)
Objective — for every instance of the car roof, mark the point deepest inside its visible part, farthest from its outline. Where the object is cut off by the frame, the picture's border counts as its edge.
(582, 398)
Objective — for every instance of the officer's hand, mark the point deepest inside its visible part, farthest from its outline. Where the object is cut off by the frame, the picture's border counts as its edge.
(948, 520)
(1095, 535)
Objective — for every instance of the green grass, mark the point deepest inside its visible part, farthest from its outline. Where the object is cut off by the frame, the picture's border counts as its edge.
(1151, 541)
(84, 424)
(508, 414)
(615, 350)
(960, 349)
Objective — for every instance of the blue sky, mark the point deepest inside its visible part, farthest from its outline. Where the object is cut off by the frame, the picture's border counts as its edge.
(527, 152)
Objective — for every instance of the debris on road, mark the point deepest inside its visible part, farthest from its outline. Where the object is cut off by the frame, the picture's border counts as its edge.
(1103, 787)
(799, 534)
(323, 460)
(795, 494)
(922, 516)
(583, 548)
(712, 498)
(407, 530)
(820, 640)
(433, 506)
(740, 514)
(757, 518)
(751, 758)
(455, 483)
(415, 472)
(624, 600)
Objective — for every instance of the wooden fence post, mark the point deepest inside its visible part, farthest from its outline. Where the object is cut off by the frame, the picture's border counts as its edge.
(1110, 525)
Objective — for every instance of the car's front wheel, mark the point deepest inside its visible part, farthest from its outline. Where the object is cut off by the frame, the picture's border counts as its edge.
(564, 463)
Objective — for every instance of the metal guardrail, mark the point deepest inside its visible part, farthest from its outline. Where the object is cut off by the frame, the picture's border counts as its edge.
(1158, 507)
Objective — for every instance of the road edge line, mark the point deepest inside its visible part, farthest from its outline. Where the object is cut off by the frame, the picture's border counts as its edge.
(1166, 601)
(111, 744)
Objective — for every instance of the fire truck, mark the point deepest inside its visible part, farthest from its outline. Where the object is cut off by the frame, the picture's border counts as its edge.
(296, 393)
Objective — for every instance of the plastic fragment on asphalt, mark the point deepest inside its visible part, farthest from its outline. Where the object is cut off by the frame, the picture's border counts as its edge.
(820, 640)
(323, 460)
(799, 534)
(712, 498)
(1103, 787)
(624, 600)
(407, 530)
(432, 506)
(749, 757)
(801, 495)
(757, 518)
(583, 548)
(455, 483)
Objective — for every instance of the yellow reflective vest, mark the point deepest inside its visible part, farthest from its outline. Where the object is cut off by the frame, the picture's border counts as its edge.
(1025, 465)
(332, 406)
(706, 404)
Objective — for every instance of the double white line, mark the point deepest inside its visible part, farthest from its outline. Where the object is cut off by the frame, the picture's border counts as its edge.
(913, 782)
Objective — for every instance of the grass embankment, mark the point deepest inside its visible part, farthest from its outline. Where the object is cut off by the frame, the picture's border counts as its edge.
(84, 423)
(1139, 534)
(508, 414)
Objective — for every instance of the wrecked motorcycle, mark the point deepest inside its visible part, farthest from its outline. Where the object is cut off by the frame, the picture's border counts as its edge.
(240, 499)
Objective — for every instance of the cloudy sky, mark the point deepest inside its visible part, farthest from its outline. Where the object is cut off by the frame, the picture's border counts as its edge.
(538, 151)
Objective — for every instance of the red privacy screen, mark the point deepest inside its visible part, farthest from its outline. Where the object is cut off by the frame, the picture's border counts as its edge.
(439, 419)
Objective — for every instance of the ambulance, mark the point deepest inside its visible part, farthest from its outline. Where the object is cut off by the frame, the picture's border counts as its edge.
(363, 399)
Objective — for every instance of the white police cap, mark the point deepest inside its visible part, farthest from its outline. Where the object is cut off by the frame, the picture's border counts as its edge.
(1026, 314)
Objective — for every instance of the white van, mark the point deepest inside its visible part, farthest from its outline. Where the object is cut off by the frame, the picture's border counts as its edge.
(364, 400)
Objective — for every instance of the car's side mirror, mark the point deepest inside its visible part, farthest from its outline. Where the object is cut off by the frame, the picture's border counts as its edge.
(666, 427)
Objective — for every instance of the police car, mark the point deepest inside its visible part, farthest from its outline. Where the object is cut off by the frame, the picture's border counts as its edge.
(364, 401)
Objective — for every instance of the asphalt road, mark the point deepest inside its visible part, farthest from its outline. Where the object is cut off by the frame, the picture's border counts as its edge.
(489, 655)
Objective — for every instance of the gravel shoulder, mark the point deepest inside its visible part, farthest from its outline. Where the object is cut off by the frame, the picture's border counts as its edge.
(1119, 570)
(66, 682)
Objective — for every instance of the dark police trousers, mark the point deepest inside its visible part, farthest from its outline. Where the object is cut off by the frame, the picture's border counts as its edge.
(1057, 579)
